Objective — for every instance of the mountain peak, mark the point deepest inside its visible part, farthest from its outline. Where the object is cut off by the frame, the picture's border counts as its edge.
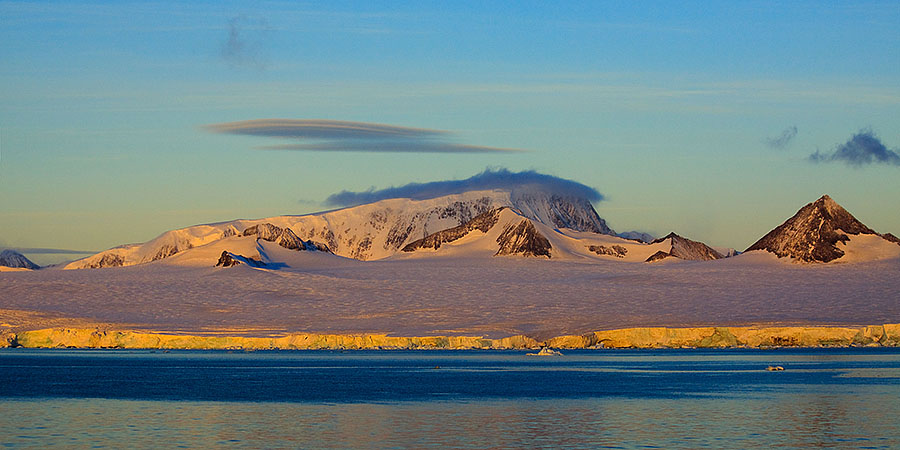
(14, 259)
(812, 234)
(684, 248)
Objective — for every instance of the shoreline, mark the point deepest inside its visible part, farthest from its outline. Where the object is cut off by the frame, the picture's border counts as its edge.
(887, 335)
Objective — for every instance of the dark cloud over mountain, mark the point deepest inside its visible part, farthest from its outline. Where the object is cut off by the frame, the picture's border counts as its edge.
(489, 179)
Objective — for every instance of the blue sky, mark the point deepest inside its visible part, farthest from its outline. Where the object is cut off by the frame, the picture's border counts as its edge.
(668, 109)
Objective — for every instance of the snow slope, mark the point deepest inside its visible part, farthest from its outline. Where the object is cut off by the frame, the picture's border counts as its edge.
(458, 294)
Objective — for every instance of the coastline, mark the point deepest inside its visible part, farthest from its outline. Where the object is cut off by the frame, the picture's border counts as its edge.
(887, 335)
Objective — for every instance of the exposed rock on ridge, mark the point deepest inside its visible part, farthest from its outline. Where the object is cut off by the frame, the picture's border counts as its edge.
(523, 239)
(283, 237)
(812, 234)
(483, 222)
(684, 248)
(229, 259)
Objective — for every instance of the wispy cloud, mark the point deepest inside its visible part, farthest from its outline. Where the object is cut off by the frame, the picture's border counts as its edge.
(862, 149)
(342, 136)
(243, 46)
(517, 182)
(781, 141)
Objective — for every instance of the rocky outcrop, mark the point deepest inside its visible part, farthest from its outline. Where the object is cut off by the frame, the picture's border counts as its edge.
(229, 259)
(283, 237)
(658, 256)
(16, 260)
(107, 260)
(683, 248)
(523, 239)
(656, 337)
(614, 250)
(483, 222)
(812, 234)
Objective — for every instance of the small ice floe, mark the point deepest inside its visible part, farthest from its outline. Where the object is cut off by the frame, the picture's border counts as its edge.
(546, 351)
(774, 368)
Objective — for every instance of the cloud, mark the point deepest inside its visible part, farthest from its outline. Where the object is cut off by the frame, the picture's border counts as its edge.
(243, 46)
(862, 149)
(342, 136)
(489, 179)
(783, 139)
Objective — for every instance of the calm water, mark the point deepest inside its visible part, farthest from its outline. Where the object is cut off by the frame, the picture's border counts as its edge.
(845, 398)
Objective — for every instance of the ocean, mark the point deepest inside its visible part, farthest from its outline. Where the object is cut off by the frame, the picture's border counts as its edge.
(691, 398)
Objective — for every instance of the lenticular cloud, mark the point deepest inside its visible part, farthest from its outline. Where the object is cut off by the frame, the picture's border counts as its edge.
(343, 136)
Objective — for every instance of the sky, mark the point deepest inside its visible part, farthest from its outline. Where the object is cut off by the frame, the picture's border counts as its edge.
(121, 120)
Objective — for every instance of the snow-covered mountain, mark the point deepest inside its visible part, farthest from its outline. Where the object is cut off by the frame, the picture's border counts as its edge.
(683, 248)
(823, 231)
(504, 231)
(16, 260)
(510, 232)
(371, 231)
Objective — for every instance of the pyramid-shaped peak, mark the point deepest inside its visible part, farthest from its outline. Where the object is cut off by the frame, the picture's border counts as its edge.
(812, 234)
(827, 202)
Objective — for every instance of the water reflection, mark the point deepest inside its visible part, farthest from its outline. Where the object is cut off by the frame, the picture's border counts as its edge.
(857, 419)
(477, 400)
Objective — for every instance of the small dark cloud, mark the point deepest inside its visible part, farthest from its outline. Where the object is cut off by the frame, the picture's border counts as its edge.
(517, 182)
(782, 140)
(243, 46)
(862, 149)
(342, 136)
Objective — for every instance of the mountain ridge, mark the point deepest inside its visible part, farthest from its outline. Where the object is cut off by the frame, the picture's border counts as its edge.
(372, 231)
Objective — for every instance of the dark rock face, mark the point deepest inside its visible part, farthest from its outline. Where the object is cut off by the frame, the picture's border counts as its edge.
(658, 256)
(891, 238)
(683, 248)
(108, 260)
(565, 211)
(523, 239)
(166, 251)
(12, 258)
(229, 259)
(283, 237)
(226, 260)
(812, 234)
(616, 250)
(482, 222)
